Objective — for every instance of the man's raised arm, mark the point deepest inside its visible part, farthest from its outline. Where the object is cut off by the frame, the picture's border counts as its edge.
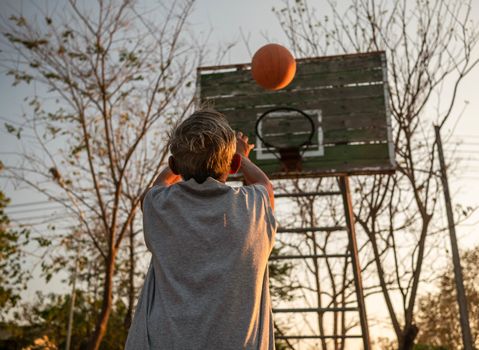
(252, 174)
(166, 177)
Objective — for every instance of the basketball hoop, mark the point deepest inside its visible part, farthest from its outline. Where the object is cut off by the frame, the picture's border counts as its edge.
(288, 143)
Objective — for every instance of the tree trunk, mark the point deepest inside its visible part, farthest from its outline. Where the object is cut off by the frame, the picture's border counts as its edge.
(102, 322)
(406, 342)
(131, 280)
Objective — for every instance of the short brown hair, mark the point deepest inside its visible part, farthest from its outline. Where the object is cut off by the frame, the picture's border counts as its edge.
(203, 145)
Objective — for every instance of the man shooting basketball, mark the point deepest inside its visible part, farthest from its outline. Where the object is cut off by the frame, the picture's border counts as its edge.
(207, 285)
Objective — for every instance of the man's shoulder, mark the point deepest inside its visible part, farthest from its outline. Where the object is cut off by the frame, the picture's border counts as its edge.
(156, 192)
(256, 192)
(254, 188)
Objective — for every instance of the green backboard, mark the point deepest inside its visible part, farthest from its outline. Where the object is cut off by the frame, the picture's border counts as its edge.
(345, 97)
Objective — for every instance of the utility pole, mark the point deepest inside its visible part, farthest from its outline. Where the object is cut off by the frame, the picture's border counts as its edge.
(461, 294)
(72, 301)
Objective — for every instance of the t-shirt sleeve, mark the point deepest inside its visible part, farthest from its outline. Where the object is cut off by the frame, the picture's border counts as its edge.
(271, 224)
(148, 209)
(149, 194)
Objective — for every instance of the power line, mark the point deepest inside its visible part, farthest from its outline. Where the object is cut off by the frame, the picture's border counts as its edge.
(467, 224)
(468, 136)
(468, 159)
(28, 218)
(461, 151)
(463, 143)
(11, 121)
(32, 210)
(469, 168)
(29, 204)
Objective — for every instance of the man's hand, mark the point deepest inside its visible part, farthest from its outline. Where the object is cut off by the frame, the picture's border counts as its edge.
(242, 146)
(251, 173)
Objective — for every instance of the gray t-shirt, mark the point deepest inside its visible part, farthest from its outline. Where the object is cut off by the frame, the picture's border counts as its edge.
(207, 285)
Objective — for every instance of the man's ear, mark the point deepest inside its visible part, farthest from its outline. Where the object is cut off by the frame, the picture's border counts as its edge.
(235, 163)
(172, 165)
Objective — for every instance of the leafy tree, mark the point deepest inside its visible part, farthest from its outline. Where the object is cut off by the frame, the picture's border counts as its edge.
(427, 44)
(47, 318)
(118, 77)
(13, 274)
(438, 312)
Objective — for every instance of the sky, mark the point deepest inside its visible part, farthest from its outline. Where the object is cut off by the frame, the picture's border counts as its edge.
(229, 21)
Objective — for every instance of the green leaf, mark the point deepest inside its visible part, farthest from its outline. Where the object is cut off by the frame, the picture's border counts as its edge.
(43, 242)
(19, 21)
(17, 132)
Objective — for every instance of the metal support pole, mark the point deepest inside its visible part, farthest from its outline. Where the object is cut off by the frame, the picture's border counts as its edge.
(353, 247)
(461, 293)
(72, 302)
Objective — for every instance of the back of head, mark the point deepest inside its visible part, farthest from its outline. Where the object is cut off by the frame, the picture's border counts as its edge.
(203, 145)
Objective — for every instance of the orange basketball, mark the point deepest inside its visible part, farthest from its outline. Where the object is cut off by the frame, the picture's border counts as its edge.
(273, 67)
